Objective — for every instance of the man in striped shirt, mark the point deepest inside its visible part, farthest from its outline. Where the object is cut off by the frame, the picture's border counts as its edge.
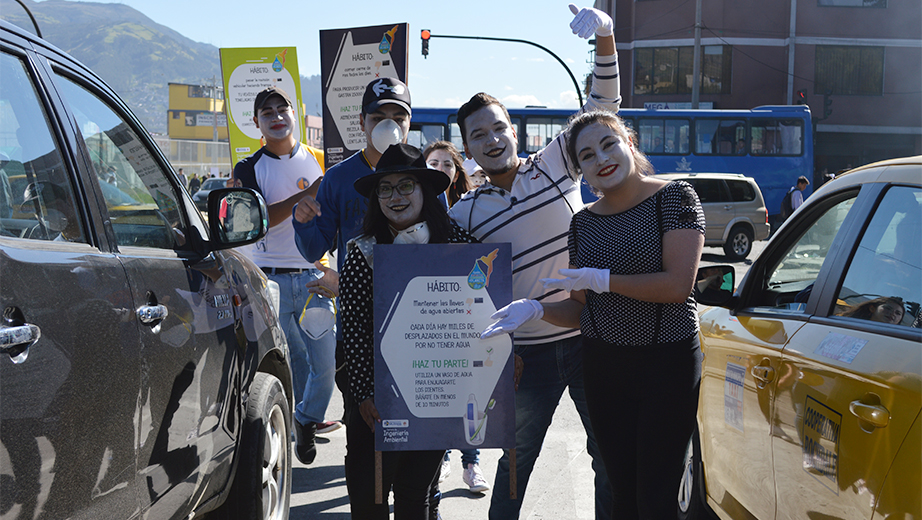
(529, 203)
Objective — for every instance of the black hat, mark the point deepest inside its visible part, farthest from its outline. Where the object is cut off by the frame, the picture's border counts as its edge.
(264, 96)
(383, 91)
(402, 158)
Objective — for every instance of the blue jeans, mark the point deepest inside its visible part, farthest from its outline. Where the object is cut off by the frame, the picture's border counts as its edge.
(313, 362)
(468, 456)
(550, 368)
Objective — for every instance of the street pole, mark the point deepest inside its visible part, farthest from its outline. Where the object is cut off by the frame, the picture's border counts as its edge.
(696, 70)
(214, 106)
(579, 92)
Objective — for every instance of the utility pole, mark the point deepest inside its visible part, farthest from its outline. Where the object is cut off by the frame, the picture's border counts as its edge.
(214, 106)
(696, 68)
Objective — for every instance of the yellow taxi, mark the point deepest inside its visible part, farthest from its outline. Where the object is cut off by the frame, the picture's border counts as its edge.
(811, 386)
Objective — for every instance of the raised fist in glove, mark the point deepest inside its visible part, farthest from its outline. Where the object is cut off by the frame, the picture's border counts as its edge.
(597, 280)
(513, 316)
(589, 22)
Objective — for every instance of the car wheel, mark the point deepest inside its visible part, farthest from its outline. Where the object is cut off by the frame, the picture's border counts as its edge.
(691, 501)
(262, 485)
(739, 243)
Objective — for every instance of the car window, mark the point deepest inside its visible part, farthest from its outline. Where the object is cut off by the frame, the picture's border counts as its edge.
(709, 190)
(143, 208)
(790, 282)
(36, 197)
(883, 281)
(741, 191)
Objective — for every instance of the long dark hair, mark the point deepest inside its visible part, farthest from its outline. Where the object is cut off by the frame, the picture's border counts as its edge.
(866, 310)
(461, 185)
(433, 213)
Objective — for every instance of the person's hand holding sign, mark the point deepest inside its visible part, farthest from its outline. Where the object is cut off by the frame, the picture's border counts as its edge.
(369, 413)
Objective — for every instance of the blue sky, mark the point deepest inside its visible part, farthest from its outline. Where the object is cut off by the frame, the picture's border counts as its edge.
(516, 73)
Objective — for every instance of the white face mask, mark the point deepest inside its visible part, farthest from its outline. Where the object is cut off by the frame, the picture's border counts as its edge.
(54, 220)
(384, 134)
(415, 234)
(318, 316)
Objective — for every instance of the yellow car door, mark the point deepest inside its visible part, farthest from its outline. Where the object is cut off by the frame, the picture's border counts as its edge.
(857, 376)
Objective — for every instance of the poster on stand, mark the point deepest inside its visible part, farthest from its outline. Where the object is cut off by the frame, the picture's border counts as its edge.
(246, 71)
(349, 60)
(437, 384)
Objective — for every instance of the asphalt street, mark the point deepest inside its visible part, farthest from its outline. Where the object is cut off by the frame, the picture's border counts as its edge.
(560, 487)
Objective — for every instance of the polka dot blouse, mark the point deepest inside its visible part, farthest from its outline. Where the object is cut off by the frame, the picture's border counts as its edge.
(356, 301)
(631, 243)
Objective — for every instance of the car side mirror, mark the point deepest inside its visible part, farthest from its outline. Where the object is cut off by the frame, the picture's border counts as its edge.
(236, 217)
(714, 285)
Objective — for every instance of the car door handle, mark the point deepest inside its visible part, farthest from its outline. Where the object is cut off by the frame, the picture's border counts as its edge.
(870, 414)
(151, 314)
(728, 208)
(19, 337)
(763, 374)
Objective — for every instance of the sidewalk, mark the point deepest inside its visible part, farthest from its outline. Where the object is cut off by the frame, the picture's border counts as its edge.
(560, 487)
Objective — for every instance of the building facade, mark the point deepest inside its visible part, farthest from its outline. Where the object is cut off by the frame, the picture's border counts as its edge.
(192, 113)
(856, 63)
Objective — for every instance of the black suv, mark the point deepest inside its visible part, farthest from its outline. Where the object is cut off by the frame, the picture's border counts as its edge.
(143, 372)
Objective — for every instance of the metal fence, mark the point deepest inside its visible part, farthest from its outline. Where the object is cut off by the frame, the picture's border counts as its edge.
(196, 157)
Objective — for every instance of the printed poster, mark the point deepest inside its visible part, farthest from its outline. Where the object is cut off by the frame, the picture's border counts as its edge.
(437, 384)
(245, 72)
(349, 60)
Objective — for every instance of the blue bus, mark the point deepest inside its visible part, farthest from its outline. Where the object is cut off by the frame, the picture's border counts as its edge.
(772, 144)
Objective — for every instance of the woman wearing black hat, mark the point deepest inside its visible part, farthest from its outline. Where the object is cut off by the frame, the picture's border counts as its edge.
(403, 208)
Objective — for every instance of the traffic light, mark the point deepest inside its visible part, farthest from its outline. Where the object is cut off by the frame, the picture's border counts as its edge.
(425, 34)
(827, 103)
(801, 97)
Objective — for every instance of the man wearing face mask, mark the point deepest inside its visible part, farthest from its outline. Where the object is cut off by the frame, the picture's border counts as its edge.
(283, 171)
(337, 212)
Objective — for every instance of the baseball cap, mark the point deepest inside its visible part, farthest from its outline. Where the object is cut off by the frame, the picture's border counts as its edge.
(386, 90)
(265, 94)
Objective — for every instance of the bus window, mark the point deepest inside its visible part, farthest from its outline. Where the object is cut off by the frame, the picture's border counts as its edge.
(540, 131)
(777, 137)
(424, 135)
(663, 136)
(719, 136)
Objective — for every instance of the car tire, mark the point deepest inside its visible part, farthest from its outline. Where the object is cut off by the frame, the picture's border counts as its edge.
(691, 499)
(262, 485)
(739, 243)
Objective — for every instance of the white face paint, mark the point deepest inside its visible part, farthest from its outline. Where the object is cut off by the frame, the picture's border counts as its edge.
(604, 157)
(392, 112)
(274, 119)
(491, 140)
(385, 134)
(401, 211)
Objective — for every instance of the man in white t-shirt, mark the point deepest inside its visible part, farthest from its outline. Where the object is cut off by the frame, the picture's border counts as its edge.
(284, 171)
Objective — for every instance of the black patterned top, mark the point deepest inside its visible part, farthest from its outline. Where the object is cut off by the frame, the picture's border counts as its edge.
(631, 243)
(356, 301)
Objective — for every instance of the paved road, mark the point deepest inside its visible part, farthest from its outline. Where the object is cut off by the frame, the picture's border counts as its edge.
(560, 487)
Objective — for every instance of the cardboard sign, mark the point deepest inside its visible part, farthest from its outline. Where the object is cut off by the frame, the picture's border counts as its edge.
(437, 384)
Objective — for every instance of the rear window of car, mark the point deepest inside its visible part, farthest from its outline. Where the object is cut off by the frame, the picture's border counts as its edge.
(708, 190)
(741, 191)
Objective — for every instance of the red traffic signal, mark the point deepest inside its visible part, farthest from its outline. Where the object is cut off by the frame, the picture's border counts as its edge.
(425, 35)
(800, 98)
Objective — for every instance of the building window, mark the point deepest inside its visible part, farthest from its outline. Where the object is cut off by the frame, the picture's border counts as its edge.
(852, 3)
(669, 70)
(849, 70)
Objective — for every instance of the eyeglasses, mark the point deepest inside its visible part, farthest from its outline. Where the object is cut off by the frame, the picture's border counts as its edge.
(386, 191)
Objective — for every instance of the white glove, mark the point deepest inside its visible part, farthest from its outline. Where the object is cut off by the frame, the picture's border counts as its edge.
(513, 316)
(598, 280)
(590, 21)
